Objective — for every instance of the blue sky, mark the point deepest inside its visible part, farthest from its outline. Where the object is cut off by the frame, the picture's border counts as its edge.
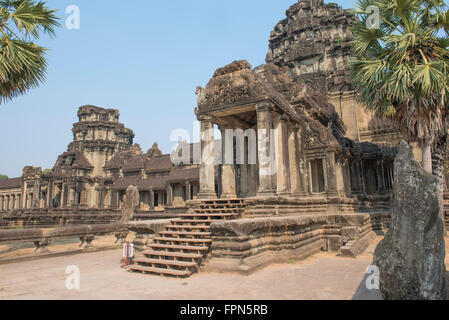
(142, 57)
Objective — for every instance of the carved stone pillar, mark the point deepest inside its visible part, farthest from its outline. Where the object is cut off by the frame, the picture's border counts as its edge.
(244, 183)
(50, 194)
(24, 193)
(114, 199)
(207, 166)
(380, 176)
(293, 160)
(63, 195)
(228, 185)
(188, 191)
(36, 195)
(169, 201)
(282, 160)
(331, 173)
(151, 200)
(266, 171)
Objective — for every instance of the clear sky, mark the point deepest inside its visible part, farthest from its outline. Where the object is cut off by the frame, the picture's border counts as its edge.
(143, 57)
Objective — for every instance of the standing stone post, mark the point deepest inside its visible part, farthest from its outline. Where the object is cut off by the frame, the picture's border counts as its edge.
(293, 160)
(282, 159)
(207, 166)
(264, 122)
(411, 256)
(228, 168)
(130, 204)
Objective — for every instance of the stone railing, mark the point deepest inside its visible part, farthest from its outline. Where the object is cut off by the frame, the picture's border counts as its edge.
(246, 245)
(45, 218)
(146, 231)
(42, 239)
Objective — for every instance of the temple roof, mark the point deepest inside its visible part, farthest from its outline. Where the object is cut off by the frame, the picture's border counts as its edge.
(11, 183)
(238, 85)
(177, 175)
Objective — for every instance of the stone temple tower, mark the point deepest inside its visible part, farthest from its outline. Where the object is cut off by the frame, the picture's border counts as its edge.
(314, 42)
(99, 136)
(79, 172)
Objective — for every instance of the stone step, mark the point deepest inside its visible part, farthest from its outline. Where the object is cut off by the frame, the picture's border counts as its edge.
(152, 253)
(190, 222)
(182, 240)
(179, 247)
(176, 263)
(161, 271)
(204, 216)
(188, 227)
(185, 234)
(224, 210)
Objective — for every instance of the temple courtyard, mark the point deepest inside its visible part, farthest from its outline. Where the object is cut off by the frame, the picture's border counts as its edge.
(322, 276)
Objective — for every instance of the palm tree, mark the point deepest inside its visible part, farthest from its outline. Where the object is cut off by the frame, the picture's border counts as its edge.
(22, 62)
(401, 69)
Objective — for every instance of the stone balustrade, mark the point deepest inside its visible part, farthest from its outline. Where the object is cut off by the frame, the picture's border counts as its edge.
(42, 239)
(146, 231)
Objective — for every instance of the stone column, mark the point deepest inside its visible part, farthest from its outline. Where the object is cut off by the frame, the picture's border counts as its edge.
(293, 158)
(114, 199)
(169, 200)
(151, 200)
(63, 196)
(50, 195)
(380, 176)
(71, 196)
(7, 203)
(24, 193)
(36, 195)
(18, 202)
(244, 182)
(188, 192)
(228, 186)
(282, 158)
(266, 172)
(331, 173)
(1, 203)
(207, 166)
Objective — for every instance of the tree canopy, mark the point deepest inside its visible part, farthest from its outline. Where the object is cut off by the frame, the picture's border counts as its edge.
(22, 62)
(401, 67)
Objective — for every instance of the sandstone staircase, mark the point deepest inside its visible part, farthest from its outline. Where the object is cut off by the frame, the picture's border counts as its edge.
(182, 248)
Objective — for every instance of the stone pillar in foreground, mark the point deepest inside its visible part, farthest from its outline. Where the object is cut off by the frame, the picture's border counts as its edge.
(169, 193)
(331, 174)
(293, 160)
(228, 185)
(188, 191)
(207, 166)
(151, 199)
(380, 176)
(411, 256)
(266, 170)
(282, 173)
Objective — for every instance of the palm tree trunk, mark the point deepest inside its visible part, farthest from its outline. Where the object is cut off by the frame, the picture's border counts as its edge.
(426, 149)
(439, 156)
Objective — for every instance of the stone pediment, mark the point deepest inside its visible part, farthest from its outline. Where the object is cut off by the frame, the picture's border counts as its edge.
(237, 84)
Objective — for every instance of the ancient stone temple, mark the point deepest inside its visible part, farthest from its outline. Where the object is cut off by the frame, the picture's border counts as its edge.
(99, 165)
(301, 168)
(322, 143)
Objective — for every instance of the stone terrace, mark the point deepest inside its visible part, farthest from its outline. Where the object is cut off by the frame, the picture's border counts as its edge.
(323, 276)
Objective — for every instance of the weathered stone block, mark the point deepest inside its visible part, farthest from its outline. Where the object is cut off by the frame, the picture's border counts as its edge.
(350, 233)
(334, 243)
(411, 257)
